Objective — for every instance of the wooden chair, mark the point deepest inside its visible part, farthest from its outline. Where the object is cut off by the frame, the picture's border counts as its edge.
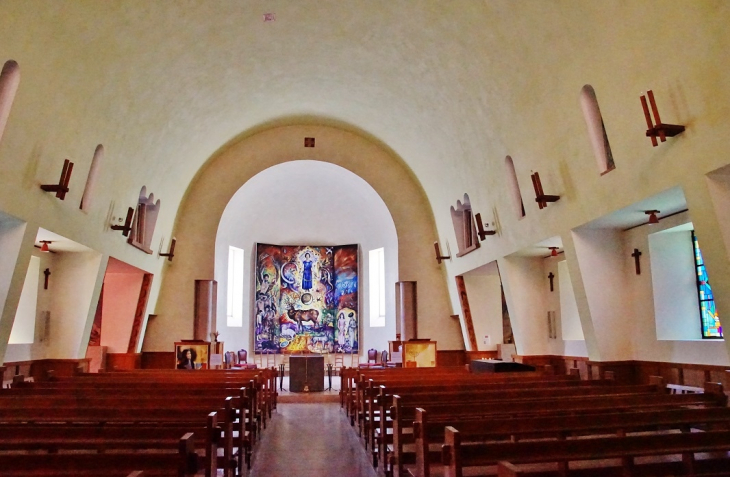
(270, 359)
(354, 359)
(384, 360)
(339, 362)
(241, 359)
(372, 359)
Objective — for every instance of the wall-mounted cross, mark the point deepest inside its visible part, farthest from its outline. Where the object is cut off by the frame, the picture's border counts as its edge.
(551, 275)
(47, 273)
(637, 260)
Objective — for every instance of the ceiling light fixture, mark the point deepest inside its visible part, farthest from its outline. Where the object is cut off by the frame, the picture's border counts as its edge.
(653, 219)
(44, 246)
(553, 251)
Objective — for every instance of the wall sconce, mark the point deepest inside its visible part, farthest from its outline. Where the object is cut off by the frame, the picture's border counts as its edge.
(653, 219)
(480, 228)
(440, 257)
(553, 251)
(540, 197)
(62, 187)
(44, 246)
(659, 129)
(127, 223)
(171, 253)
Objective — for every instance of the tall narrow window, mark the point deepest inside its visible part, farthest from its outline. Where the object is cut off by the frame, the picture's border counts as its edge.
(596, 129)
(9, 80)
(377, 287)
(514, 187)
(235, 287)
(711, 326)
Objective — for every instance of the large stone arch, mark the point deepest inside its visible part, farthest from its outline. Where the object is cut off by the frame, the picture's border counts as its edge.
(207, 196)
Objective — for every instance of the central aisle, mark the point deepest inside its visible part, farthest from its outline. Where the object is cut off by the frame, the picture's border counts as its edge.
(310, 440)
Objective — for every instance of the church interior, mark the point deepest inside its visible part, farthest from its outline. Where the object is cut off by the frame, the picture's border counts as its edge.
(537, 178)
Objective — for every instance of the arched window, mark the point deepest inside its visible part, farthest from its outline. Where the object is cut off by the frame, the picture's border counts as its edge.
(596, 129)
(514, 187)
(92, 179)
(9, 80)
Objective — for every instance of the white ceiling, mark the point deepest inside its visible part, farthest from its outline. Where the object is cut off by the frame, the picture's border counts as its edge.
(59, 243)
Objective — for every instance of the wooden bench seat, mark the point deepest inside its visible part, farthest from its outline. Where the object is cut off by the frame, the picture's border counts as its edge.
(509, 455)
(180, 462)
(427, 433)
(220, 432)
(403, 411)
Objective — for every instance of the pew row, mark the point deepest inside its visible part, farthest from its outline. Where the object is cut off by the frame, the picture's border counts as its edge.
(427, 433)
(402, 414)
(510, 456)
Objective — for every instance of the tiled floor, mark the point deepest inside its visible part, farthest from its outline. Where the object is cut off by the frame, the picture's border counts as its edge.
(310, 440)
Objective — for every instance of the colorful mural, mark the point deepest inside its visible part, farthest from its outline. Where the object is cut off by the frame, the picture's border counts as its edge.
(306, 299)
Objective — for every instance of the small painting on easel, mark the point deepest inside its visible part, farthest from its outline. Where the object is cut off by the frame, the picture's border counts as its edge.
(192, 354)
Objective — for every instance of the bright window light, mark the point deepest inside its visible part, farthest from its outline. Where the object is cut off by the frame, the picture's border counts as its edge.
(377, 288)
(235, 287)
(24, 324)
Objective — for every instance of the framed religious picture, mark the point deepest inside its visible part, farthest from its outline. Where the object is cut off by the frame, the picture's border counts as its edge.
(192, 354)
(419, 354)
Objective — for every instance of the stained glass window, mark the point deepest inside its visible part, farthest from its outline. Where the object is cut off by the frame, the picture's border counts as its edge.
(711, 326)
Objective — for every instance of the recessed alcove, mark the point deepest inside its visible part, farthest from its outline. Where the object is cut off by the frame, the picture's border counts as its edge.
(540, 290)
(9, 81)
(639, 284)
(596, 130)
(145, 219)
(462, 218)
(119, 313)
(65, 282)
(306, 203)
(513, 187)
(490, 316)
(92, 179)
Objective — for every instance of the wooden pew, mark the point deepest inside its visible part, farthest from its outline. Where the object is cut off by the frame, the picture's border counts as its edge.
(187, 387)
(442, 381)
(368, 410)
(183, 463)
(351, 376)
(220, 432)
(457, 457)
(403, 411)
(426, 432)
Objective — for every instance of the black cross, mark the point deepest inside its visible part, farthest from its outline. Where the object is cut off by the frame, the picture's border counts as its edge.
(47, 273)
(637, 261)
(551, 276)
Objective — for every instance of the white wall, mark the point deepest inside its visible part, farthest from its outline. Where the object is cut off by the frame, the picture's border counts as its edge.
(15, 251)
(306, 203)
(674, 281)
(484, 290)
(599, 253)
(525, 284)
(23, 331)
(72, 287)
(647, 345)
(570, 327)
(37, 349)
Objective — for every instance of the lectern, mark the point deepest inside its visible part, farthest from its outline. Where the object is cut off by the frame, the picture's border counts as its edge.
(306, 373)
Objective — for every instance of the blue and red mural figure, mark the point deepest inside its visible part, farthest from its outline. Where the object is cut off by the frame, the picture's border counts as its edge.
(306, 299)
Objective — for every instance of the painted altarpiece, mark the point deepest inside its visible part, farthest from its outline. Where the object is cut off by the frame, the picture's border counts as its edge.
(306, 299)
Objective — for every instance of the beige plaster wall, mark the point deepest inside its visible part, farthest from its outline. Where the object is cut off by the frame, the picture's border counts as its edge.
(450, 88)
(211, 191)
